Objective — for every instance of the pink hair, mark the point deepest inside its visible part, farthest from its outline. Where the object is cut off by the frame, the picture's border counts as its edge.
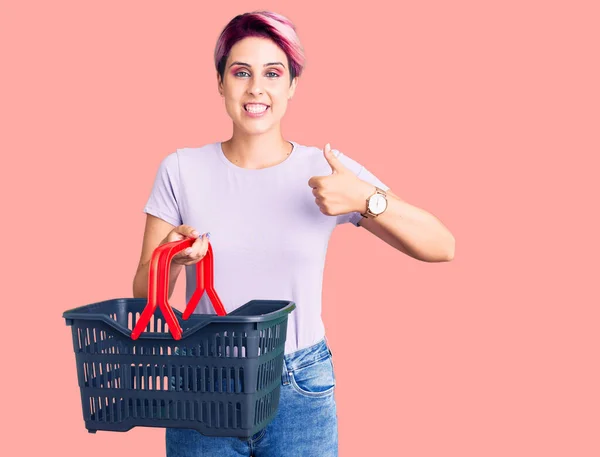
(265, 24)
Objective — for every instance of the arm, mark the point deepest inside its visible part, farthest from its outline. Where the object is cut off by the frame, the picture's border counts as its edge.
(407, 228)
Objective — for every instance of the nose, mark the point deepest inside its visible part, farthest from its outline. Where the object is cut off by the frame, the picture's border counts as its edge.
(254, 87)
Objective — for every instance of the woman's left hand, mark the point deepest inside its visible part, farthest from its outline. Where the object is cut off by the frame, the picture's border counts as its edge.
(341, 192)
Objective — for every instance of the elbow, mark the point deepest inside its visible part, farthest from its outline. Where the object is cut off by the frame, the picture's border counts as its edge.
(445, 253)
(138, 293)
(139, 290)
(450, 249)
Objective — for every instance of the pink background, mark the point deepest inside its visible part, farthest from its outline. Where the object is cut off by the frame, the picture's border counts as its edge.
(486, 115)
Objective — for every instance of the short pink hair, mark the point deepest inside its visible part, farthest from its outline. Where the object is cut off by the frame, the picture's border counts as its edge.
(265, 24)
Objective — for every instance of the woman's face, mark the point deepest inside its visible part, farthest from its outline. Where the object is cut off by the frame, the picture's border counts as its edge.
(256, 85)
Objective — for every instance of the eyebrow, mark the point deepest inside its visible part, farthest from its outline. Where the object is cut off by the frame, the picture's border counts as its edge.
(248, 65)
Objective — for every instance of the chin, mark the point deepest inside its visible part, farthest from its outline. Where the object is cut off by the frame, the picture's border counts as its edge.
(256, 129)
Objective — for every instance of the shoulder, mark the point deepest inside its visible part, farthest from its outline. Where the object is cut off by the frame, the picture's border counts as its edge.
(184, 157)
(305, 152)
(198, 152)
(313, 156)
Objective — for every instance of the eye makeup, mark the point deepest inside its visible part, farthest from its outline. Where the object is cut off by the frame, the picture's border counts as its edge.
(238, 70)
(275, 71)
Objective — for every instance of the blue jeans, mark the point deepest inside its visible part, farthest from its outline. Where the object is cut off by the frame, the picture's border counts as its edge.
(305, 424)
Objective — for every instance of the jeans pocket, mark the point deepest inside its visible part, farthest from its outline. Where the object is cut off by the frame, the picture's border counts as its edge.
(314, 380)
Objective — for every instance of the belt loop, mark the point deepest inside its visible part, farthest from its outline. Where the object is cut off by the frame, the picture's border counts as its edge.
(285, 377)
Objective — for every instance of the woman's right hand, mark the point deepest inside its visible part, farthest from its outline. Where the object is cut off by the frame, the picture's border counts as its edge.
(193, 254)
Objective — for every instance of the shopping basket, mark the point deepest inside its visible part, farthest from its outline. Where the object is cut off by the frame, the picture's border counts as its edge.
(142, 363)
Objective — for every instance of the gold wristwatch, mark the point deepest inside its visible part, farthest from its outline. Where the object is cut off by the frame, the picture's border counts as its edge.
(376, 204)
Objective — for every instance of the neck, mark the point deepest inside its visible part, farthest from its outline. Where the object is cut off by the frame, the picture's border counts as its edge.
(256, 151)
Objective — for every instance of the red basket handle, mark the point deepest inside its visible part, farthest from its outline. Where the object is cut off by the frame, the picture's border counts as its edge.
(158, 287)
(204, 277)
(154, 284)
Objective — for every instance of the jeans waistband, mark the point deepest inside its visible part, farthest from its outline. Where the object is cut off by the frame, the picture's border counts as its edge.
(303, 357)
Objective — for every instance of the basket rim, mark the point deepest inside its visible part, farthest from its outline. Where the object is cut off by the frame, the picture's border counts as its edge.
(202, 320)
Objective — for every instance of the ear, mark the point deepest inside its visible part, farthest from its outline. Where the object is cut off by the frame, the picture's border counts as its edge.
(219, 83)
(292, 88)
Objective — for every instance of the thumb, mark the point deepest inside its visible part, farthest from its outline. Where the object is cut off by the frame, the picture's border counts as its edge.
(335, 163)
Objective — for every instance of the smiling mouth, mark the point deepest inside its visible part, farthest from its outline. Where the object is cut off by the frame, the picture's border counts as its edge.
(256, 108)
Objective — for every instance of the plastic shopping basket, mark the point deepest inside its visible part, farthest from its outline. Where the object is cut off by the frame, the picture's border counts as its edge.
(142, 363)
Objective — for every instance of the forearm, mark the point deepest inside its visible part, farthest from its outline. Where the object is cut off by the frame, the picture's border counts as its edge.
(140, 282)
(410, 229)
(419, 232)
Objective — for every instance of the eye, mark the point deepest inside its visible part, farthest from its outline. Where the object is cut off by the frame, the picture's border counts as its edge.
(276, 75)
(240, 72)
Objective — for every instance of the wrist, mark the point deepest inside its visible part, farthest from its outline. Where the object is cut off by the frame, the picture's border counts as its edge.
(363, 193)
(175, 267)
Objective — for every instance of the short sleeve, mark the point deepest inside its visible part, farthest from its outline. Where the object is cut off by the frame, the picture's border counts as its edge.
(362, 173)
(163, 201)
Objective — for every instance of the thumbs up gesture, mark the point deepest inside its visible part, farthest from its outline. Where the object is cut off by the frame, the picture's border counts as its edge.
(340, 192)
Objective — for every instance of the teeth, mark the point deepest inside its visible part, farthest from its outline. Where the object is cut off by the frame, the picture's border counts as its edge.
(256, 108)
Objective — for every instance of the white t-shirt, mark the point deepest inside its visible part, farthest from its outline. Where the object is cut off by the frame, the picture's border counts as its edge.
(269, 237)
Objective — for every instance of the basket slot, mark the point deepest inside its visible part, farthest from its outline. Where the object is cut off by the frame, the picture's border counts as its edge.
(159, 408)
(194, 378)
(222, 416)
(230, 415)
(92, 410)
(258, 414)
(191, 410)
(206, 413)
(216, 350)
(259, 377)
(94, 381)
(215, 413)
(86, 340)
(206, 379)
(120, 410)
(102, 415)
(240, 350)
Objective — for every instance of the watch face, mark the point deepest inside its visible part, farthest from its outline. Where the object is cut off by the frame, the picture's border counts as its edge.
(377, 204)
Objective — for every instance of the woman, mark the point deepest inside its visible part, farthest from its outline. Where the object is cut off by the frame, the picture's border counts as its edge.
(271, 205)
